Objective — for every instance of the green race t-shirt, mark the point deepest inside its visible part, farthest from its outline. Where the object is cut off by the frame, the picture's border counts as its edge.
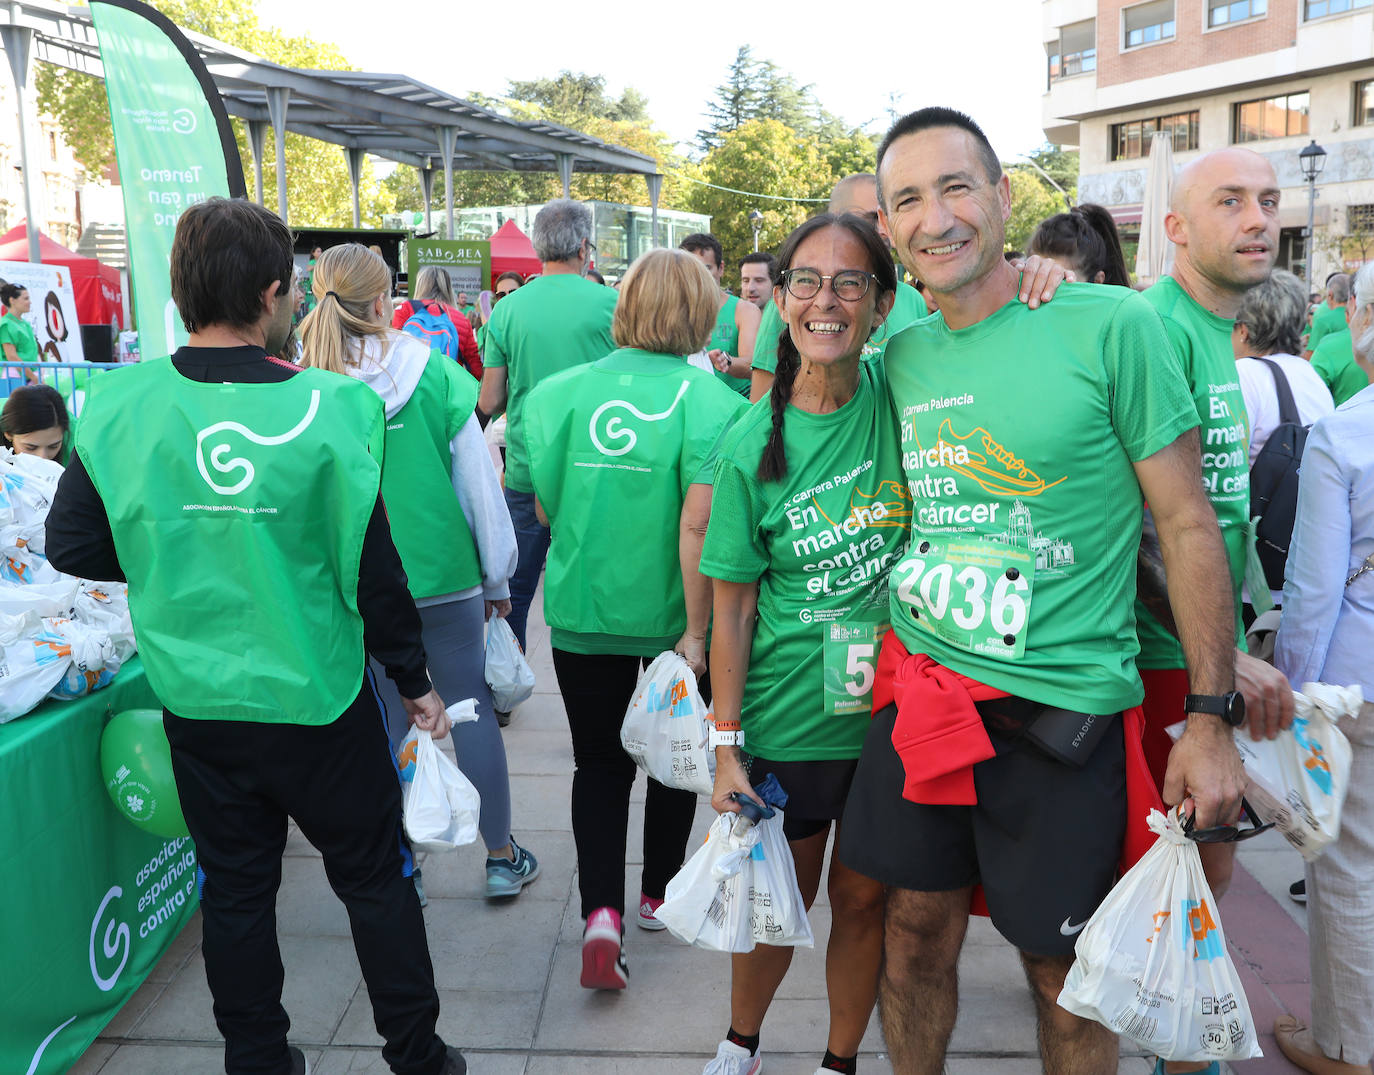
(18, 332)
(820, 543)
(725, 337)
(1201, 342)
(1334, 361)
(431, 532)
(1018, 438)
(907, 308)
(1326, 320)
(613, 447)
(551, 324)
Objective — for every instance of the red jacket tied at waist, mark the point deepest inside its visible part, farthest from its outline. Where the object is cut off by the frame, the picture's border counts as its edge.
(939, 736)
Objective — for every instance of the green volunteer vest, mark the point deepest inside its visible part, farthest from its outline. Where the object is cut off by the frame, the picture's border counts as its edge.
(238, 513)
(427, 523)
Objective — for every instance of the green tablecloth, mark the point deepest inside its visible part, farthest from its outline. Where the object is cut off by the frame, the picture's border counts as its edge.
(89, 901)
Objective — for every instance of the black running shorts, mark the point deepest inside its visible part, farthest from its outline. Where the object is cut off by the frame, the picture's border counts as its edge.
(1044, 839)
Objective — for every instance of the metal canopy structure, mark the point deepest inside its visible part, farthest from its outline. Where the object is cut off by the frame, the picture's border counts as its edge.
(362, 112)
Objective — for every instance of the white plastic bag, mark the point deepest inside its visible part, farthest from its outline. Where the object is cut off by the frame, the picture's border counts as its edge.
(31, 667)
(1298, 780)
(777, 914)
(1152, 963)
(666, 727)
(439, 805)
(707, 902)
(509, 675)
(93, 659)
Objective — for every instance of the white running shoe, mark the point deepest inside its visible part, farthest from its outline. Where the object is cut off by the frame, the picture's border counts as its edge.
(732, 1059)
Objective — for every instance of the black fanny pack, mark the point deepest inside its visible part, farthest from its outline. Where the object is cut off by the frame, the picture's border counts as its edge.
(1064, 734)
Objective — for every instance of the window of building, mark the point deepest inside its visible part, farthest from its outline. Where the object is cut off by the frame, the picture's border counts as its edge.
(1364, 103)
(1145, 24)
(1272, 117)
(1359, 219)
(1316, 9)
(1076, 50)
(1131, 141)
(1225, 12)
(52, 145)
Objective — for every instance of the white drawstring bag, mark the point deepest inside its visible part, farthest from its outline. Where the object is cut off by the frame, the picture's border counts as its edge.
(707, 902)
(666, 727)
(439, 805)
(509, 675)
(1152, 963)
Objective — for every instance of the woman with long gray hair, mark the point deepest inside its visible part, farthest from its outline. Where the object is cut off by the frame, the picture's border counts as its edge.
(448, 518)
(1326, 635)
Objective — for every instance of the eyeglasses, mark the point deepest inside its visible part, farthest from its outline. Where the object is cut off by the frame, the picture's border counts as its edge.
(497, 296)
(849, 285)
(1227, 834)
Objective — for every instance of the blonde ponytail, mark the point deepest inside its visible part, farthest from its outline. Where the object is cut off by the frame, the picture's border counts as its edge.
(346, 282)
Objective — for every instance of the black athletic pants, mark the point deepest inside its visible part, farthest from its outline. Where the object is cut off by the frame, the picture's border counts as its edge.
(597, 689)
(238, 782)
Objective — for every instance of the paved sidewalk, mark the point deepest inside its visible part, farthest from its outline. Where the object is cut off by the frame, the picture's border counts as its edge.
(507, 972)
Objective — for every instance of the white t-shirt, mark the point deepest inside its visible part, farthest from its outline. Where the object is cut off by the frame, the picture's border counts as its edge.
(1262, 399)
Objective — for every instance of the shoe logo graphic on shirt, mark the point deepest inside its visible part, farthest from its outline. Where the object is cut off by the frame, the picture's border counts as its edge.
(996, 468)
(1069, 930)
(226, 466)
(615, 431)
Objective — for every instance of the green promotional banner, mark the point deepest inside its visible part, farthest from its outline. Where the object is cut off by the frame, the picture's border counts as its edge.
(173, 146)
(91, 902)
(468, 262)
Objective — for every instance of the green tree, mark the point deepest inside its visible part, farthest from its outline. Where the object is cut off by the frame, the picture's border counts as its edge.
(760, 89)
(1060, 164)
(571, 97)
(766, 157)
(1031, 202)
(318, 188)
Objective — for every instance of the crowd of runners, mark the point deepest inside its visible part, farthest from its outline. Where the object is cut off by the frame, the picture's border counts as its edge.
(907, 519)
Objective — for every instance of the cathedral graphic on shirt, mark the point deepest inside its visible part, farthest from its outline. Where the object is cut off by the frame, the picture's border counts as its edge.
(1050, 553)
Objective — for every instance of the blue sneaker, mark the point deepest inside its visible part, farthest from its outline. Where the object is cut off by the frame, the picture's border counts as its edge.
(506, 877)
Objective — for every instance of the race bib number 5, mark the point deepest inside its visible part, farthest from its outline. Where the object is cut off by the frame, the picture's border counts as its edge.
(849, 652)
(972, 594)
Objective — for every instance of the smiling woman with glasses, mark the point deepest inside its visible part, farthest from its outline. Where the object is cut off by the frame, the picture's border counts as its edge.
(801, 559)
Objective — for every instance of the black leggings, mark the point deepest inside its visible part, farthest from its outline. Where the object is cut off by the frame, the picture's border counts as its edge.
(597, 689)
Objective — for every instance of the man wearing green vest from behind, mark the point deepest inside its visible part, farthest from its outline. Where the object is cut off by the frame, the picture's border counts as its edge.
(856, 195)
(238, 495)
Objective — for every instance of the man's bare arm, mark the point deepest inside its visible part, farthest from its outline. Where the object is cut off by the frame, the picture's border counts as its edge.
(1204, 764)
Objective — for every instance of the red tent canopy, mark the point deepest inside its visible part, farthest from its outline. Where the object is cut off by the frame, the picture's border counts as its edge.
(511, 250)
(99, 299)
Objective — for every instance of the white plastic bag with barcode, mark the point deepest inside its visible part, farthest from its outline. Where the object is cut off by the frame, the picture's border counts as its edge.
(666, 727)
(777, 913)
(509, 675)
(1152, 963)
(707, 902)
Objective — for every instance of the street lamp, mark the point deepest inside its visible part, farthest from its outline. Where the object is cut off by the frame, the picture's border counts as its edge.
(1312, 158)
(756, 222)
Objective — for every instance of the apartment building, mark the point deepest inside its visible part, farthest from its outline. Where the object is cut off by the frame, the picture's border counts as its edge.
(1272, 75)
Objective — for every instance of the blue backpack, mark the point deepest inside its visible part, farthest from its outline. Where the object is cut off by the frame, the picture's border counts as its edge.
(430, 323)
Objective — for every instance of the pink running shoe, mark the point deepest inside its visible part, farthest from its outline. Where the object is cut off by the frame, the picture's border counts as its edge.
(603, 953)
(647, 906)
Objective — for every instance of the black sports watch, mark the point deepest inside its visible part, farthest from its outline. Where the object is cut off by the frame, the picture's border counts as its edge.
(1230, 706)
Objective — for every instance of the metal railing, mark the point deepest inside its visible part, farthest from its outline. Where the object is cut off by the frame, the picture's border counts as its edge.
(69, 378)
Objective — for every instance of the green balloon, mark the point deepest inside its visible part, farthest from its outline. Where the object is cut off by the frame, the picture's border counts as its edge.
(136, 765)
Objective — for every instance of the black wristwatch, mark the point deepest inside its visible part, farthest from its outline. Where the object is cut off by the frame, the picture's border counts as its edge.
(1230, 706)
